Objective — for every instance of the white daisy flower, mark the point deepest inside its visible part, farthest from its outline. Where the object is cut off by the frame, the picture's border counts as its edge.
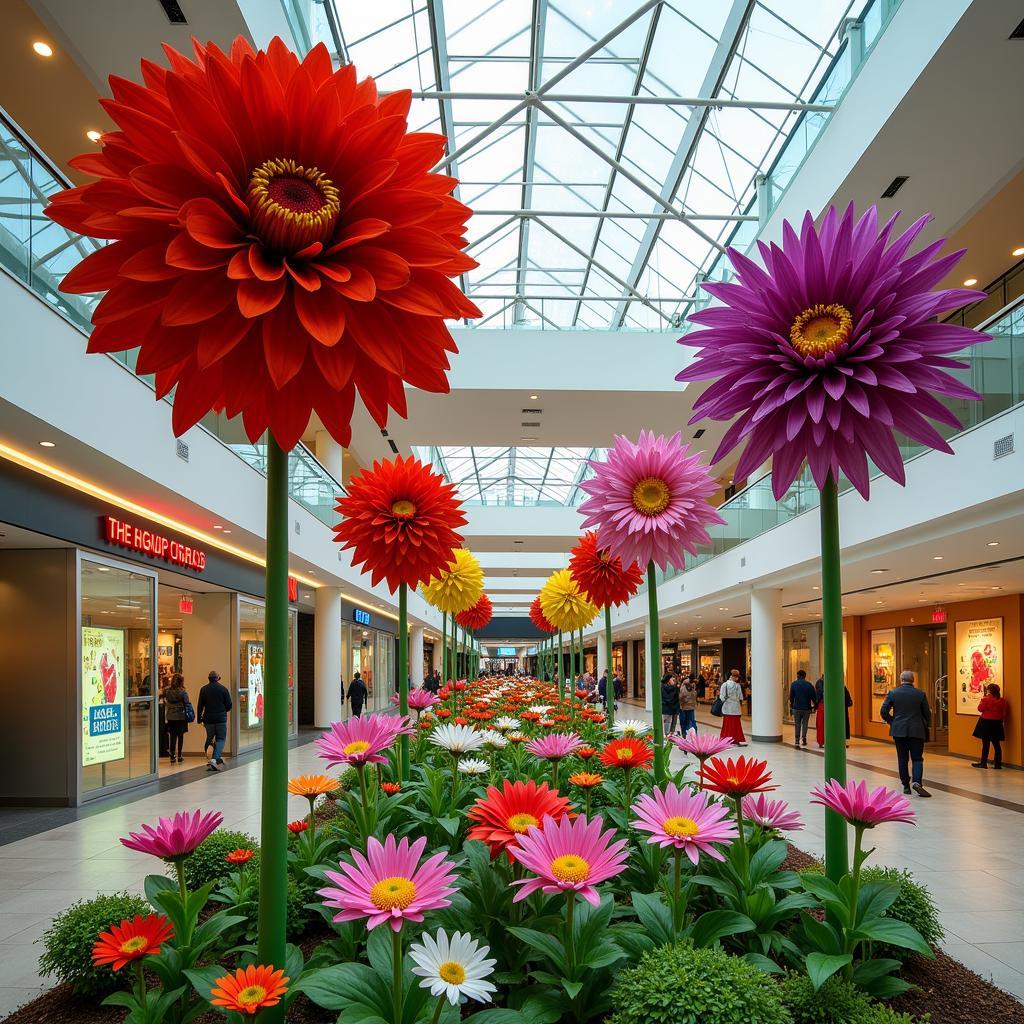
(457, 739)
(474, 766)
(505, 724)
(495, 741)
(454, 968)
(539, 709)
(631, 727)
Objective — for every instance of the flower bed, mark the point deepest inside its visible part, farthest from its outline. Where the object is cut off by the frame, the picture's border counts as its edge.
(534, 871)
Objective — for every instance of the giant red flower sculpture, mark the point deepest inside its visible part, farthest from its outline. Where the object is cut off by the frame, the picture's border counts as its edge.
(399, 519)
(478, 616)
(278, 240)
(602, 576)
(539, 619)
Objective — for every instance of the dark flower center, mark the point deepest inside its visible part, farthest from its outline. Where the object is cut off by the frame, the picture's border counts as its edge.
(292, 206)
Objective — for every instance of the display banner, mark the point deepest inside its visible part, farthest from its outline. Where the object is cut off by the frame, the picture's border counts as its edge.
(979, 661)
(883, 668)
(254, 656)
(103, 696)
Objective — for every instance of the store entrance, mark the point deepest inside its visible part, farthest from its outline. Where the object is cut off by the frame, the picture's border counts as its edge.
(924, 653)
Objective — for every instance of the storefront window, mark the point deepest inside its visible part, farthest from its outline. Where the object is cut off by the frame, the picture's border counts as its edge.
(116, 684)
(800, 646)
(883, 668)
(385, 670)
(363, 642)
(251, 656)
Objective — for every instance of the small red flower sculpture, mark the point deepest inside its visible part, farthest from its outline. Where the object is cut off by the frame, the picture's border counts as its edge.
(737, 778)
(399, 519)
(478, 616)
(539, 619)
(603, 579)
(278, 240)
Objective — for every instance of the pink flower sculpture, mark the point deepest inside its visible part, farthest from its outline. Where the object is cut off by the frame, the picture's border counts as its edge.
(701, 744)
(688, 821)
(362, 740)
(419, 699)
(568, 856)
(861, 807)
(389, 884)
(648, 501)
(774, 814)
(555, 745)
(175, 838)
(831, 349)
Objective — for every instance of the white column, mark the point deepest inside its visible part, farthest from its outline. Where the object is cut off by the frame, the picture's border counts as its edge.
(766, 664)
(436, 664)
(327, 660)
(649, 654)
(416, 656)
(602, 658)
(329, 455)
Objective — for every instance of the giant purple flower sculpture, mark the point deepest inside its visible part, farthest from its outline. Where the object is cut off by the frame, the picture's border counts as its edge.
(831, 349)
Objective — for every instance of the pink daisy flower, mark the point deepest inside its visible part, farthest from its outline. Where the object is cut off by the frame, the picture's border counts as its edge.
(648, 501)
(862, 807)
(389, 884)
(555, 745)
(361, 740)
(702, 745)
(771, 813)
(568, 856)
(685, 820)
(175, 838)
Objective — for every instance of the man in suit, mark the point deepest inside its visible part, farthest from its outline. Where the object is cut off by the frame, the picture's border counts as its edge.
(909, 716)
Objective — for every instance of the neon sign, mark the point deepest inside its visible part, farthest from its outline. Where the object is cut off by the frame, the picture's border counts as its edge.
(148, 542)
(362, 617)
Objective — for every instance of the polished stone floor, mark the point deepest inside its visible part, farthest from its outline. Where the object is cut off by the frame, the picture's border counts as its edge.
(966, 849)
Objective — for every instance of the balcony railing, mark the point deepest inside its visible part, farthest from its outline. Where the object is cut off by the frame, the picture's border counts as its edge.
(39, 253)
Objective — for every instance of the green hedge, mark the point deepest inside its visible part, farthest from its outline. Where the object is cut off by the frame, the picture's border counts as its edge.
(207, 864)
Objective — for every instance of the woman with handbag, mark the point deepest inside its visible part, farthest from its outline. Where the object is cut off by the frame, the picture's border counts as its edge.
(730, 705)
(177, 707)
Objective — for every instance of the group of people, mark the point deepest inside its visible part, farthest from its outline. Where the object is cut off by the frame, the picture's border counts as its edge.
(211, 711)
(806, 699)
(679, 702)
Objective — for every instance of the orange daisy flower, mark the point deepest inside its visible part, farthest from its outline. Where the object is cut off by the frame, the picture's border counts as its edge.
(249, 989)
(239, 856)
(131, 940)
(627, 753)
(295, 827)
(586, 780)
(391, 788)
(586, 752)
(312, 786)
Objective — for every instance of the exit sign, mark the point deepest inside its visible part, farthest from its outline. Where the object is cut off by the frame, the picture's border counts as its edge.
(938, 615)
(185, 605)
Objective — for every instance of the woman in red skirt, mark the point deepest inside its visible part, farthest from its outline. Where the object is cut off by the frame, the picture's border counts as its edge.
(819, 714)
(731, 695)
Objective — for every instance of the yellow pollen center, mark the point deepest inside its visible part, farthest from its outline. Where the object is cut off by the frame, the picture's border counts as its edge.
(390, 893)
(291, 206)
(521, 822)
(252, 996)
(357, 747)
(403, 509)
(570, 868)
(134, 944)
(651, 496)
(821, 329)
(623, 753)
(453, 973)
(679, 827)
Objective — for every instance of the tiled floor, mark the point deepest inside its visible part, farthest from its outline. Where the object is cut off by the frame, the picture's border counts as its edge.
(967, 851)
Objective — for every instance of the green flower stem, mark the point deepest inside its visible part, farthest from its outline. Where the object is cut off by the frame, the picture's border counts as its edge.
(654, 675)
(742, 840)
(397, 981)
(365, 796)
(140, 974)
(609, 686)
(677, 886)
(403, 678)
(561, 669)
(554, 772)
(586, 802)
(437, 1010)
(859, 856)
(455, 776)
(570, 950)
(444, 648)
(627, 789)
(179, 867)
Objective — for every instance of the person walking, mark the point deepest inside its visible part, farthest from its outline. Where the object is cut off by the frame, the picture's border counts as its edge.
(357, 695)
(214, 705)
(909, 716)
(802, 701)
(618, 690)
(175, 702)
(688, 704)
(669, 703)
(993, 708)
(819, 711)
(730, 693)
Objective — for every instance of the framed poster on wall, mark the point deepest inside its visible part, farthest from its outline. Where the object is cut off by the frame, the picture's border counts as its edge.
(883, 668)
(979, 661)
(103, 695)
(254, 662)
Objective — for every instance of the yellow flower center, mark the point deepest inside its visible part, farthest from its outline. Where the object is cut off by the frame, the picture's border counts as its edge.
(390, 893)
(679, 827)
(134, 944)
(403, 509)
(623, 753)
(570, 868)
(252, 996)
(522, 822)
(453, 973)
(357, 747)
(651, 496)
(821, 329)
(291, 206)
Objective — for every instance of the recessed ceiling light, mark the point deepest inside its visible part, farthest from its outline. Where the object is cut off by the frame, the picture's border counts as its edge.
(970, 282)
(815, 588)
(47, 444)
(527, 439)
(533, 398)
(993, 544)
(43, 49)
(879, 602)
(102, 568)
(217, 526)
(93, 136)
(936, 558)
(227, 531)
(997, 588)
(1019, 251)
(876, 572)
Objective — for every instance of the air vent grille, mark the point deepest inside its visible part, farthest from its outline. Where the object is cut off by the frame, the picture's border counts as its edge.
(532, 412)
(1002, 446)
(531, 423)
(894, 186)
(175, 15)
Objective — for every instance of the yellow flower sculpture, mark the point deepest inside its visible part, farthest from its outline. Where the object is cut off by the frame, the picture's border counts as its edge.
(458, 587)
(564, 603)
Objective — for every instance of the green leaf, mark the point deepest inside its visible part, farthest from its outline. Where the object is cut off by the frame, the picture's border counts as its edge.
(340, 986)
(886, 987)
(767, 861)
(710, 927)
(762, 963)
(824, 888)
(822, 936)
(158, 883)
(572, 988)
(821, 967)
(875, 898)
(654, 916)
(546, 945)
(450, 825)
(871, 970)
(121, 999)
(204, 978)
(496, 1016)
(545, 1006)
(893, 933)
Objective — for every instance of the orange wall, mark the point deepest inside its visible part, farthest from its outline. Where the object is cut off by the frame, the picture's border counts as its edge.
(961, 741)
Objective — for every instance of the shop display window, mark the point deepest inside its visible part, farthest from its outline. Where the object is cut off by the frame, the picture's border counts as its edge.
(251, 658)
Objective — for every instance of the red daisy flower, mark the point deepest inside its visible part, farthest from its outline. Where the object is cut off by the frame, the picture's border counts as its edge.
(539, 619)
(603, 579)
(478, 616)
(504, 814)
(295, 827)
(399, 519)
(391, 788)
(627, 753)
(131, 940)
(586, 752)
(239, 856)
(737, 778)
(279, 242)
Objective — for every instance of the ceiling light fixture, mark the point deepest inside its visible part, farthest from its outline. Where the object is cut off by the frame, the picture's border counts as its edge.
(533, 398)
(217, 526)
(43, 49)
(970, 282)
(936, 558)
(877, 572)
(1019, 251)
(993, 544)
(93, 136)
(47, 444)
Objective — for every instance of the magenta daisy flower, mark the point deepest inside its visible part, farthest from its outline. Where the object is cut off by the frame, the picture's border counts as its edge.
(702, 745)
(555, 745)
(648, 501)
(389, 884)
(831, 349)
(775, 814)
(175, 838)
(688, 821)
(568, 856)
(861, 807)
(362, 740)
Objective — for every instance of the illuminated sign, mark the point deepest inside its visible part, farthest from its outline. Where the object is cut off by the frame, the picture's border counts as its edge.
(362, 617)
(506, 652)
(185, 605)
(293, 589)
(103, 695)
(938, 615)
(148, 542)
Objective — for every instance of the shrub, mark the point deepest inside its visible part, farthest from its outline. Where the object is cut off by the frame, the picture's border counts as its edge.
(298, 917)
(836, 1002)
(207, 864)
(679, 985)
(914, 905)
(69, 940)
(884, 1015)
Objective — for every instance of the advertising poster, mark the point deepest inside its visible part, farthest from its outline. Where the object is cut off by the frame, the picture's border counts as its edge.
(254, 657)
(883, 668)
(979, 661)
(103, 695)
